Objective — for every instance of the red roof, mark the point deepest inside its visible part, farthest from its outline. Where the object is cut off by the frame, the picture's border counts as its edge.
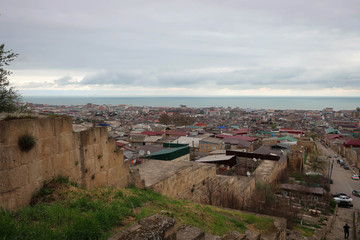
(177, 133)
(334, 136)
(119, 144)
(151, 133)
(224, 136)
(285, 129)
(296, 131)
(200, 125)
(352, 143)
(246, 138)
(241, 131)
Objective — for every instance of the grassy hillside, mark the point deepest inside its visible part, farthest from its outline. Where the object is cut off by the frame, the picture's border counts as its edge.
(62, 210)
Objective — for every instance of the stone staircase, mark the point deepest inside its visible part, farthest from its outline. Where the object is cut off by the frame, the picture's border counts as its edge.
(159, 227)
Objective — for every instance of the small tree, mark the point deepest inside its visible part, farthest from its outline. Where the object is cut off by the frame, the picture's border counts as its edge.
(317, 163)
(9, 97)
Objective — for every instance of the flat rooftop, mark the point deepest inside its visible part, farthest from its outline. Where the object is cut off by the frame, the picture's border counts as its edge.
(154, 171)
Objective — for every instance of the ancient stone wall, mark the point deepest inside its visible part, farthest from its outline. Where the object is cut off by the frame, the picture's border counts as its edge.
(223, 191)
(295, 159)
(184, 179)
(269, 171)
(86, 157)
(352, 156)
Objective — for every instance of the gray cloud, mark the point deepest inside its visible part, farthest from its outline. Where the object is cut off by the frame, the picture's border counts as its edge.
(64, 81)
(280, 44)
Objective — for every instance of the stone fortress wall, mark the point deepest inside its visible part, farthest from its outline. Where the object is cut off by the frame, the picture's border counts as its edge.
(88, 158)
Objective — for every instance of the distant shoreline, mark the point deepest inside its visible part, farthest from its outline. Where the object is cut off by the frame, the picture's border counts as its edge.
(253, 102)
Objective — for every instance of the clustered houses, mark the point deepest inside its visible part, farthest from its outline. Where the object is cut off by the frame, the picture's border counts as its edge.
(342, 134)
(216, 131)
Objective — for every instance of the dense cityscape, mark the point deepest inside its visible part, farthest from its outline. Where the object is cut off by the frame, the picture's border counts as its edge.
(179, 120)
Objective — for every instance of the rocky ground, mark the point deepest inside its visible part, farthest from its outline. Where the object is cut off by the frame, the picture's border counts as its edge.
(344, 215)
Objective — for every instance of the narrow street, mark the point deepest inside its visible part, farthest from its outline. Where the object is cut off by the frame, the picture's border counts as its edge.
(343, 183)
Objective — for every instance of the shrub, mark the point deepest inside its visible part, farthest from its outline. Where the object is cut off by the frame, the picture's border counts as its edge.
(26, 142)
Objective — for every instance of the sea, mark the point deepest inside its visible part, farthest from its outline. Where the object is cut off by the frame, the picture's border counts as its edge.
(280, 103)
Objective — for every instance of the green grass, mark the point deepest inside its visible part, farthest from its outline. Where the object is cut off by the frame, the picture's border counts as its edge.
(305, 231)
(64, 211)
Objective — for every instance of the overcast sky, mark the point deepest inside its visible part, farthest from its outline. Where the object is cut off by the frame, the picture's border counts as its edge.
(183, 48)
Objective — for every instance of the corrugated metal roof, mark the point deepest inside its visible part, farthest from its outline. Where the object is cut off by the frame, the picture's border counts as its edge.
(211, 140)
(302, 188)
(170, 153)
(215, 158)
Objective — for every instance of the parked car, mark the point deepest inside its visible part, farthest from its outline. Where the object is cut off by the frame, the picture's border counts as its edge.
(340, 161)
(339, 194)
(356, 193)
(345, 204)
(342, 198)
(346, 167)
(355, 177)
(313, 173)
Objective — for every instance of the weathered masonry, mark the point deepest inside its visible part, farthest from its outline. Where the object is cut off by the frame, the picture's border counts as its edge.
(88, 158)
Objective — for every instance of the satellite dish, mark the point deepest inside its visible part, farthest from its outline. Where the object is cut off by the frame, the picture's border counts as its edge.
(141, 152)
(128, 154)
(254, 159)
(148, 152)
(248, 173)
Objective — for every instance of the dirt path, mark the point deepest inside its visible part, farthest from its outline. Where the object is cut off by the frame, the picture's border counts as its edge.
(344, 215)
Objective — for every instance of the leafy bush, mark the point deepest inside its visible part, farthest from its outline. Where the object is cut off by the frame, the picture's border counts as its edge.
(26, 142)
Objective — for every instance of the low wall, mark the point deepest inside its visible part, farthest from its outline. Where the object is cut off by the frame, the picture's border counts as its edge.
(184, 179)
(223, 191)
(86, 157)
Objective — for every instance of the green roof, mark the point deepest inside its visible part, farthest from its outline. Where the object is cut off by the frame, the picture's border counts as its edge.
(331, 130)
(288, 138)
(174, 145)
(169, 153)
(265, 132)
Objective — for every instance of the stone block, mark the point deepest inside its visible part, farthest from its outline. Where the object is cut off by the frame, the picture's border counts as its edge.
(10, 157)
(30, 156)
(45, 128)
(65, 142)
(47, 168)
(190, 233)
(234, 235)
(212, 237)
(100, 179)
(153, 227)
(114, 174)
(13, 178)
(121, 183)
(35, 177)
(46, 147)
(5, 133)
(24, 195)
(87, 137)
(89, 164)
(100, 162)
(63, 125)
(88, 182)
(19, 127)
(61, 164)
(8, 200)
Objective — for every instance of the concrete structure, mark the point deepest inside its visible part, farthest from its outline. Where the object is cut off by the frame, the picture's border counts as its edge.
(171, 154)
(170, 178)
(219, 159)
(88, 157)
(210, 144)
